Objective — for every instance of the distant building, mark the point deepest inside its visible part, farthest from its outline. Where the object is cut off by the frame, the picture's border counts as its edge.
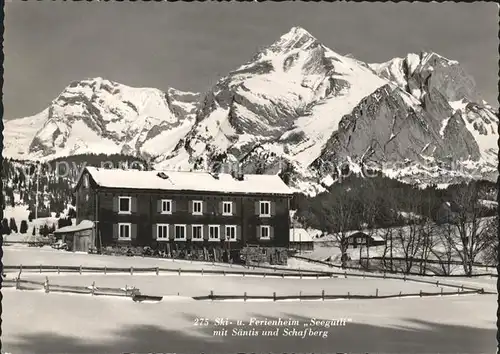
(301, 240)
(362, 238)
(184, 210)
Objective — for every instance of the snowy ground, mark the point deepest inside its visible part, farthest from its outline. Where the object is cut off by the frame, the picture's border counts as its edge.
(16, 255)
(34, 322)
(329, 251)
(192, 285)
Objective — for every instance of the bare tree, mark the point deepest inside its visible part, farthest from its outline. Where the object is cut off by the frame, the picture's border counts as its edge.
(368, 203)
(411, 237)
(426, 246)
(491, 252)
(429, 240)
(443, 250)
(473, 232)
(388, 248)
(337, 218)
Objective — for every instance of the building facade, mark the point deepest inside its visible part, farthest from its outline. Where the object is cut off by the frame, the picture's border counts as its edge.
(187, 210)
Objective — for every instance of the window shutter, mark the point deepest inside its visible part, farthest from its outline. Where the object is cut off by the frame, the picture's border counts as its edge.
(271, 232)
(133, 202)
(204, 207)
(189, 232)
(190, 206)
(115, 204)
(155, 231)
(115, 231)
(238, 232)
(174, 206)
(257, 208)
(221, 207)
(205, 232)
(133, 231)
(273, 208)
(158, 205)
(257, 232)
(171, 232)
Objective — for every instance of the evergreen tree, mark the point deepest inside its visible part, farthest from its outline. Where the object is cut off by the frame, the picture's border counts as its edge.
(24, 227)
(44, 230)
(71, 213)
(13, 225)
(5, 227)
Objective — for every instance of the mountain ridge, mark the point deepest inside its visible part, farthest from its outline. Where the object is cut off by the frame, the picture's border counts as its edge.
(295, 99)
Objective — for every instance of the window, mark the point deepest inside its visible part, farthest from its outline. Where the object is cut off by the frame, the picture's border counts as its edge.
(265, 232)
(197, 207)
(124, 232)
(227, 208)
(166, 206)
(197, 232)
(124, 205)
(180, 232)
(230, 232)
(265, 208)
(162, 232)
(213, 233)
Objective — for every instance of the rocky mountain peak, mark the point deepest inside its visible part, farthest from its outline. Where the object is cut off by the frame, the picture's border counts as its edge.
(296, 38)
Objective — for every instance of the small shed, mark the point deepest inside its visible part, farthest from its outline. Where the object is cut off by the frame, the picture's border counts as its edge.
(301, 240)
(362, 238)
(79, 238)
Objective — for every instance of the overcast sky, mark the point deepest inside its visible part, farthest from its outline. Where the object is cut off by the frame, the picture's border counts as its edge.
(190, 45)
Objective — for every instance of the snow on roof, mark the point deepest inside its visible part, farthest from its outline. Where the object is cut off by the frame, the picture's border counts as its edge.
(83, 225)
(374, 234)
(194, 181)
(300, 235)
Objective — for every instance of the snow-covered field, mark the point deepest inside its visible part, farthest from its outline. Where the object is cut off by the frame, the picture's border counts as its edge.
(22, 255)
(34, 322)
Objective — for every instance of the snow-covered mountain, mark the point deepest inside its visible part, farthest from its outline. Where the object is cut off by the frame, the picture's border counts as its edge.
(97, 115)
(296, 105)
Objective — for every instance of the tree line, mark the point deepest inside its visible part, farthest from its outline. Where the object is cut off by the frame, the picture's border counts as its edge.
(424, 224)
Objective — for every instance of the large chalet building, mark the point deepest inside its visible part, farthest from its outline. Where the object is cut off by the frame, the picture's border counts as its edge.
(191, 210)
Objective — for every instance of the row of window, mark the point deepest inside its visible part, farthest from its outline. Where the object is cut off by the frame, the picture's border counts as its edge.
(125, 207)
(214, 232)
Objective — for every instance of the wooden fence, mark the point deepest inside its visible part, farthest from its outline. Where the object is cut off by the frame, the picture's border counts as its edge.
(134, 293)
(47, 286)
(202, 272)
(310, 260)
(280, 273)
(323, 296)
